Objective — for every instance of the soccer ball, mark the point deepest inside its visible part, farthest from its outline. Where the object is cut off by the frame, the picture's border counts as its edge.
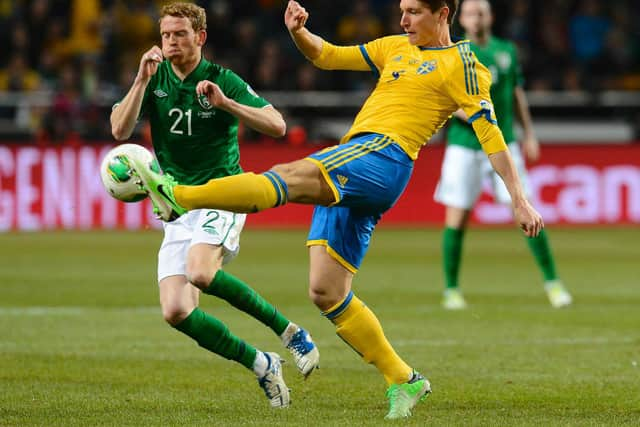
(115, 175)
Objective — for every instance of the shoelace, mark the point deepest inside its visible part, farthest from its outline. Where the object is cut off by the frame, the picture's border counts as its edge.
(299, 344)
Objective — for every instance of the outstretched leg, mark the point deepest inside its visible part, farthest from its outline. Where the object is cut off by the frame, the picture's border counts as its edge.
(358, 326)
(204, 262)
(179, 300)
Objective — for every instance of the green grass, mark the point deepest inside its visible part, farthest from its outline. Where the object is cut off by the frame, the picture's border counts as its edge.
(82, 341)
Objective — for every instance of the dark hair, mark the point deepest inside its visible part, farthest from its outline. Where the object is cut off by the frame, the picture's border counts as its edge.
(434, 5)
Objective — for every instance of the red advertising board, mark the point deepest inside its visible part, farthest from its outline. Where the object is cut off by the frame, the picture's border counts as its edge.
(59, 188)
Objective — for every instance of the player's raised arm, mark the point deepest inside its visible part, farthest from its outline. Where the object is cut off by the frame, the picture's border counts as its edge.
(295, 18)
(125, 114)
(323, 54)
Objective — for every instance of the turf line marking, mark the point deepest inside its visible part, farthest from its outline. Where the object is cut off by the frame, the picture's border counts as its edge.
(73, 311)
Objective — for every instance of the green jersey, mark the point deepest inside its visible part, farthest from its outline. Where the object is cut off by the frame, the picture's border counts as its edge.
(499, 56)
(193, 141)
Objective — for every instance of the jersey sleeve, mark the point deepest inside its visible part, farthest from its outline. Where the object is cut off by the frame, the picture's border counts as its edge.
(240, 91)
(364, 57)
(468, 84)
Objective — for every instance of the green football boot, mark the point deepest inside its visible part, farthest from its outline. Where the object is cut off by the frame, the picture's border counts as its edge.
(159, 187)
(403, 397)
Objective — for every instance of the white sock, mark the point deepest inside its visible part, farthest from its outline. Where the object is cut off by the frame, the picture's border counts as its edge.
(261, 364)
(289, 331)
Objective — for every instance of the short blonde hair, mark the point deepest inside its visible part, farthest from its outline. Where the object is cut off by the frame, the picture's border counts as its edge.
(194, 13)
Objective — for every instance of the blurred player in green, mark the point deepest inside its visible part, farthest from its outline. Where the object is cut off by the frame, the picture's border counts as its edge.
(465, 166)
(196, 142)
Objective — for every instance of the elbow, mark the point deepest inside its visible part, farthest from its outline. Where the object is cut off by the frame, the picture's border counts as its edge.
(119, 133)
(280, 129)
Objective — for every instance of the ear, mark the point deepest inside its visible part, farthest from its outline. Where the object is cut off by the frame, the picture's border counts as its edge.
(202, 37)
(444, 14)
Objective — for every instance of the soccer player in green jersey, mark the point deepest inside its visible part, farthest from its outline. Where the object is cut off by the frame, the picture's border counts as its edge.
(196, 142)
(465, 165)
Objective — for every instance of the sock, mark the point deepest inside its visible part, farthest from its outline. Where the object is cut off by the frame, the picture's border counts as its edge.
(360, 329)
(261, 364)
(212, 334)
(451, 255)
(241, 296)
(243, 193)
(541, 251)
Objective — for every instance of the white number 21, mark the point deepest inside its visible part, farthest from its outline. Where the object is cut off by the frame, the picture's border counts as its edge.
(181, 114)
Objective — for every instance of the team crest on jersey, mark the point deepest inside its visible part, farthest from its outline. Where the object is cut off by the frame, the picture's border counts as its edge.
(204, 102)
(427, 66)
(160, 93)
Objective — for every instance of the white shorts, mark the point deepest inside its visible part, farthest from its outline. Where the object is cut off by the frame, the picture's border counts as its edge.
(466, 171)
(215, 227)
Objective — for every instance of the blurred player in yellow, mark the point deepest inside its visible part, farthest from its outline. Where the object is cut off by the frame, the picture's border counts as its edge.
(423, 77)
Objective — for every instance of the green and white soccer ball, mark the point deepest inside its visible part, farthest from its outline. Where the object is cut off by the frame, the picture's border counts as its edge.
(115, 172)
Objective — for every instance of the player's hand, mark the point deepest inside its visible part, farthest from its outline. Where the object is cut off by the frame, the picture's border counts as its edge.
(295, 16)
(213, 93)
(527, 218)
(531, 147)
(149, 63)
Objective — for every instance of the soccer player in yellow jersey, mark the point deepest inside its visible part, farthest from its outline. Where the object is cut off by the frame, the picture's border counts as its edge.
(423, 77)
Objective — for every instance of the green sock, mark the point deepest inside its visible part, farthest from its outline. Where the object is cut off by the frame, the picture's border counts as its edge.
(212, 334)
(241, 296)
(451, 255)
(542, 252)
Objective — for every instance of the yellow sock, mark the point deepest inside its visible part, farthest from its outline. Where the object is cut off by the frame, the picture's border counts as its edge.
(359, 327)
(244, 193)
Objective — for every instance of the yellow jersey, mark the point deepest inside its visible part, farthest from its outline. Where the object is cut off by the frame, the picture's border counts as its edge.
(418, 90)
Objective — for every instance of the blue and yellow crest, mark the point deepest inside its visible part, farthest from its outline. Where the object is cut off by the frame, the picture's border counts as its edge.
(427, 66)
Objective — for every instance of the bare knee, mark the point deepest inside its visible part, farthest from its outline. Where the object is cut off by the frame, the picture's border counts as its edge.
(175, 312)
(201, 278)
(324, 297)
(305, 183)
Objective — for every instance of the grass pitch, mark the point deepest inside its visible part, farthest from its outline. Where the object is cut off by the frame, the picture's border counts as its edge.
(82, 341)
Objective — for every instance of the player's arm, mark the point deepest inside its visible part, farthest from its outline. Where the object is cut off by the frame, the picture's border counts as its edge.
(265, 119)
(493, 144)
(125, 114)
(323, 54)
(524, 214)
(530, 142)
(468, 85)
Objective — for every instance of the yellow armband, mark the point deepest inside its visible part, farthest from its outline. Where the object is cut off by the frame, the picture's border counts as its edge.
(489, 135)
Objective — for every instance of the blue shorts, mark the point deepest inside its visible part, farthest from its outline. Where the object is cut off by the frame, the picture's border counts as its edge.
(367, 176)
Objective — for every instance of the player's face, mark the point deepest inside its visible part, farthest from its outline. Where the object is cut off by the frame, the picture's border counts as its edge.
(419, 22)
(476, 17)
(180, 44)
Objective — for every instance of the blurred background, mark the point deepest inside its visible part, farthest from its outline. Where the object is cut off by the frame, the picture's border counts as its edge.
(64, 63)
